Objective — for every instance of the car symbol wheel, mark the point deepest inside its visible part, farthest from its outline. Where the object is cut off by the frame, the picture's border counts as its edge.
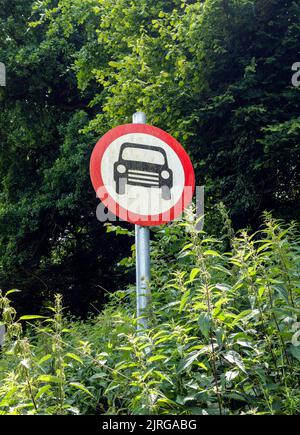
(120, 186)
(166, 193)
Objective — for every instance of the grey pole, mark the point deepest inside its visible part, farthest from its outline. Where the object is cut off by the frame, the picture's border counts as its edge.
(142, 244)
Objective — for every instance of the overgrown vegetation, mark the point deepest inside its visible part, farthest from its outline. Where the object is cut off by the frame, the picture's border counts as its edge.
(223, 335)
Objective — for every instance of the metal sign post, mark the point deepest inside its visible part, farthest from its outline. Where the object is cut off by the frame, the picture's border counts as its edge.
(142, 246)
(142, 162)
(2, 74)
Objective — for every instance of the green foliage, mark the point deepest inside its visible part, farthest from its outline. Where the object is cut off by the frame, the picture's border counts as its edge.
(49, 235)
(215, 74)
(222, 336)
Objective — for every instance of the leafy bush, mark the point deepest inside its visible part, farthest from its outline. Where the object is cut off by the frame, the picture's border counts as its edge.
(222, 337)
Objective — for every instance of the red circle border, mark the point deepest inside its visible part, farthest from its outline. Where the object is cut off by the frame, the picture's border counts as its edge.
(109, 202)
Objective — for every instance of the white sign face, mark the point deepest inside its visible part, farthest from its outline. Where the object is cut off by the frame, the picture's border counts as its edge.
(142, 174)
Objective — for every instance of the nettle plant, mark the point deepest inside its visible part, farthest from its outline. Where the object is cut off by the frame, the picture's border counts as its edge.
(37, 365)
(221, 336)
(222, 326)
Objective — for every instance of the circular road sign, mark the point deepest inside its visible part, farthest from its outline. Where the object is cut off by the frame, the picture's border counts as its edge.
(142, 174)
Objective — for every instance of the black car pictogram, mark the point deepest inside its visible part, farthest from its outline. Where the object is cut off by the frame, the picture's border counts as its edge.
(143, 165)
